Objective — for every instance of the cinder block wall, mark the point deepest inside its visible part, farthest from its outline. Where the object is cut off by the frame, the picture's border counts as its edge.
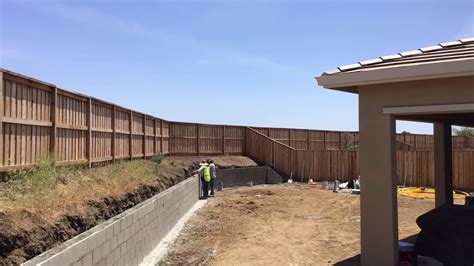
(127, 238)
(242, 176)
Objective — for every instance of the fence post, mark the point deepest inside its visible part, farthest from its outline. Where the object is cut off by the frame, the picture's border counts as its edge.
(144, 136)
(290, 163)
(324, 140)
(340, 142)
(52, 143)
(223, 139)
(308, 145)
(197, 141)
(170, 126)
(89, 132)
(154, 135)
(130, 149)
(2, 148)
(289, 137)
(113, 132)
(161, 138)
(273, 152)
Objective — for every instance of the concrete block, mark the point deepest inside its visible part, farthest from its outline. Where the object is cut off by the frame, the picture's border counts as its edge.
(106, 248)
(91, 243)
(120, 238)
(114, 243)
(77, 263)
(129, 220)
(123, 224)
(116, 254)
(87, 260)
(116, 228)
(96, 255)
(123, 249)
(110, 259)
(109, 232)
(126, 234)
(100, 237)
(103, 262)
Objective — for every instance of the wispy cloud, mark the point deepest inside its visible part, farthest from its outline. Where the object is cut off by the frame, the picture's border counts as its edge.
(89, 17)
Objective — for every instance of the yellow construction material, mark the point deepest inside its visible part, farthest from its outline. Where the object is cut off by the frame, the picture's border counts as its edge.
(426, 193)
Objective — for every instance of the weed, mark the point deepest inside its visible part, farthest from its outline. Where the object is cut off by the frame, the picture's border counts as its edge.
(157, 158)
(32, 183)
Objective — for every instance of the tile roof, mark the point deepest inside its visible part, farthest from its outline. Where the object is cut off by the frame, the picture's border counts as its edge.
(455, 50)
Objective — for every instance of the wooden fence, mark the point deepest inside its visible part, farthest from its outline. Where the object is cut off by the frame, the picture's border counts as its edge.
(203, 139)
(414, 168)
(310, 139)
(38, 119)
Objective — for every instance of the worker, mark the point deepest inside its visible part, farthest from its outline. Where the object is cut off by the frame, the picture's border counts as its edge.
(205, 174)
(212, 168)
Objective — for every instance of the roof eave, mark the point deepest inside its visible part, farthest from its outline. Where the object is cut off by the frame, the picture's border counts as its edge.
(349, 81)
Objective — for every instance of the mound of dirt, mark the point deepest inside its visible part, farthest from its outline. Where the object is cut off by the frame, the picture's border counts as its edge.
(223, 162)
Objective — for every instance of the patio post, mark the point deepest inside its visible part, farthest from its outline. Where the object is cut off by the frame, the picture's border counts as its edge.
(443, 156)
(379, 217)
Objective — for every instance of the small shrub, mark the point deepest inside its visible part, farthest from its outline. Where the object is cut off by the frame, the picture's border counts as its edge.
(173, 163)
(157, 158)
(347, 142)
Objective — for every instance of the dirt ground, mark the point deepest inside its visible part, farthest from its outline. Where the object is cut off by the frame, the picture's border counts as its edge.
(280, 225)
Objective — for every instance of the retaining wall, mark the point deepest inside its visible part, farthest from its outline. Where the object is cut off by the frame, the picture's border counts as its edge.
(127, 238)
(237, 177)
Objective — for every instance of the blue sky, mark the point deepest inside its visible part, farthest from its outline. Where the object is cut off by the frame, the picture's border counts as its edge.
(233, 62)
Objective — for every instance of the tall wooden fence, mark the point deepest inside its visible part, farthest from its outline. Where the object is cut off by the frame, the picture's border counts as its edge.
(310, 139)
(38, 118)
(414, 168)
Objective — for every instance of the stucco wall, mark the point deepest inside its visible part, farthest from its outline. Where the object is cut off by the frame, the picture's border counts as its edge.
(379, 229)
(127, 238)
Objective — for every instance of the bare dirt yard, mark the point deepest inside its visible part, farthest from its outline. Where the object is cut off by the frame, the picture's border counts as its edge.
(291, 224)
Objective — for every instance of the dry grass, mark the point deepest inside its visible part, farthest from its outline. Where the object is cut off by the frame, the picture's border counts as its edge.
(50, 192)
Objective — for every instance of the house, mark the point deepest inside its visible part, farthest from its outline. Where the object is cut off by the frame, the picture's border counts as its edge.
(433, 84)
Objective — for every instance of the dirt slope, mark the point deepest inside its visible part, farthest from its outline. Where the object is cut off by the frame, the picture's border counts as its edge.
(44, 207)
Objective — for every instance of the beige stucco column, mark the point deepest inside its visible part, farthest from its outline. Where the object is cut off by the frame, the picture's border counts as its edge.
(443, 153)
(379, 219)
